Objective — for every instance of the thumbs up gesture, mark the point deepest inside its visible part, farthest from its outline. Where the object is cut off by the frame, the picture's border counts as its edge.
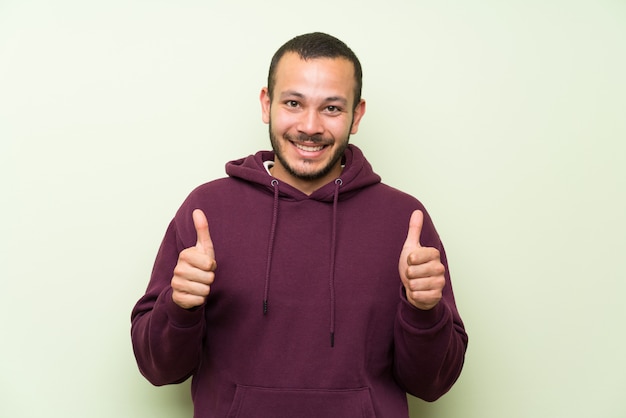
(420, 268)
(195, 271)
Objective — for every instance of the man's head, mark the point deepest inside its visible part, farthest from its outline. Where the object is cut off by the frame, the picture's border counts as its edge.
(317, 45)
(312, 105)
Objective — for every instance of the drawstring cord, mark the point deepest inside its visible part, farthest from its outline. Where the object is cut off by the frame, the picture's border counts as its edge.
(333, 250)
(270, 247)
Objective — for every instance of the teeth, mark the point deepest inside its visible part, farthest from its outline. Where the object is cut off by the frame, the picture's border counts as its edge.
(309, 149)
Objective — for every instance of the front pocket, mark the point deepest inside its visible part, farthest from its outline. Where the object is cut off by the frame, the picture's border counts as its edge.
(259, 402)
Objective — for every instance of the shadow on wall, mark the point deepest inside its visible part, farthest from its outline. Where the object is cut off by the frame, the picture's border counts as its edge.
(421, 409)
(171, 401)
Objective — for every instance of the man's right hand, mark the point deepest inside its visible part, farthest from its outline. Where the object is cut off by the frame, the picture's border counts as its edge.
(195, 271)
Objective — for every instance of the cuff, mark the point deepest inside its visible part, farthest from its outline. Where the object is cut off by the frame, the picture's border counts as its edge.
(177, 316)
(418, 318)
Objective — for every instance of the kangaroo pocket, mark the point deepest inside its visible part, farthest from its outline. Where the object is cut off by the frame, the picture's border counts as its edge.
(259, 402)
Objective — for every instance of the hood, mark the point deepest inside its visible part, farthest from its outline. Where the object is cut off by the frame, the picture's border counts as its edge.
(357, 174)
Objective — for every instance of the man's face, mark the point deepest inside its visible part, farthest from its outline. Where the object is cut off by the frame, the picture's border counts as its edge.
(311, 116)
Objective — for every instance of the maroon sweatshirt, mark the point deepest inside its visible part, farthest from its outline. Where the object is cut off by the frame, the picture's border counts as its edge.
(307, 315)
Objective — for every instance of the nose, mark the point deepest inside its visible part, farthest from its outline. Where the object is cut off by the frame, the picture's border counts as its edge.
(311, 123)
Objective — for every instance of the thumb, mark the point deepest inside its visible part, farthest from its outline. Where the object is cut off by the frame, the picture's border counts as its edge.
(201, 224)
(415, 230)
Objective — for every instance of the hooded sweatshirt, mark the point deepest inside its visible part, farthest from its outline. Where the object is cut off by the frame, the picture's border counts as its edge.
(307, 315)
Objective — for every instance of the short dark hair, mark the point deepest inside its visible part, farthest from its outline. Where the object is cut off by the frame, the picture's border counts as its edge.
(317, 45)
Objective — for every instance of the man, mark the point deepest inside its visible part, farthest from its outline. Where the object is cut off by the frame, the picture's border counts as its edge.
(300, 285)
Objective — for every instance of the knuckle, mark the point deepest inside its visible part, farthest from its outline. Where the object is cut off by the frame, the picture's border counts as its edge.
(178, 270)
(440, 269)
(185, 254)
(207, 264)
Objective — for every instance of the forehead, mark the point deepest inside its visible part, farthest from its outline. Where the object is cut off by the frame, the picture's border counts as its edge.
(316, 75)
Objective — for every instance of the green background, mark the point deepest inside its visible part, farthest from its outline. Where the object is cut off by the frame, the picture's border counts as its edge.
(506, 118)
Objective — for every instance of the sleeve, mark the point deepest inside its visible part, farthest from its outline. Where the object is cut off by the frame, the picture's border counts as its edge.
(167, 339)
(429, 346)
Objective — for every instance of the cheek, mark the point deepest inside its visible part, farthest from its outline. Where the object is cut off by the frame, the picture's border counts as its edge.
(283, 122)
(340, 128)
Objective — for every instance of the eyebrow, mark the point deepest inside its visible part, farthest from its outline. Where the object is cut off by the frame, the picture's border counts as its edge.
(293, 93)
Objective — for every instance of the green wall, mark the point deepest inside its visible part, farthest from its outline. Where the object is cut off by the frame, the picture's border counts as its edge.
(506, 118)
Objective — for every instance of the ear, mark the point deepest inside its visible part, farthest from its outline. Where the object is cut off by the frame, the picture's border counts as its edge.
(265, 104)
(359, 111)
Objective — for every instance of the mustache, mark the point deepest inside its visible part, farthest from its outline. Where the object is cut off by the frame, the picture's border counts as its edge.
(301, 137)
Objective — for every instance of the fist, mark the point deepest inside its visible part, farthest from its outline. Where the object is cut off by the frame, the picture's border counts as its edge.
(420, 268)
(195, 271)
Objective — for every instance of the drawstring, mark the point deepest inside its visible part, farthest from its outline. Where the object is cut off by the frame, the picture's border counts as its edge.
(270, 247)
(333, 248)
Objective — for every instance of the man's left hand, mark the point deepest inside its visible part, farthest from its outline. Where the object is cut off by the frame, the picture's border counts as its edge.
(420, 268)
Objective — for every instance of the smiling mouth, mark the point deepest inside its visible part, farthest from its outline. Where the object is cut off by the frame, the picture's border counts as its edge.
(309, 148)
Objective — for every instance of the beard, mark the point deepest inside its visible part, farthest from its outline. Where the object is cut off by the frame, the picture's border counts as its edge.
(316, 139)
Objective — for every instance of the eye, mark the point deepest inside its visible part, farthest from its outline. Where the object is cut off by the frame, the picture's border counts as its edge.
(333, 109)
(292, 103)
